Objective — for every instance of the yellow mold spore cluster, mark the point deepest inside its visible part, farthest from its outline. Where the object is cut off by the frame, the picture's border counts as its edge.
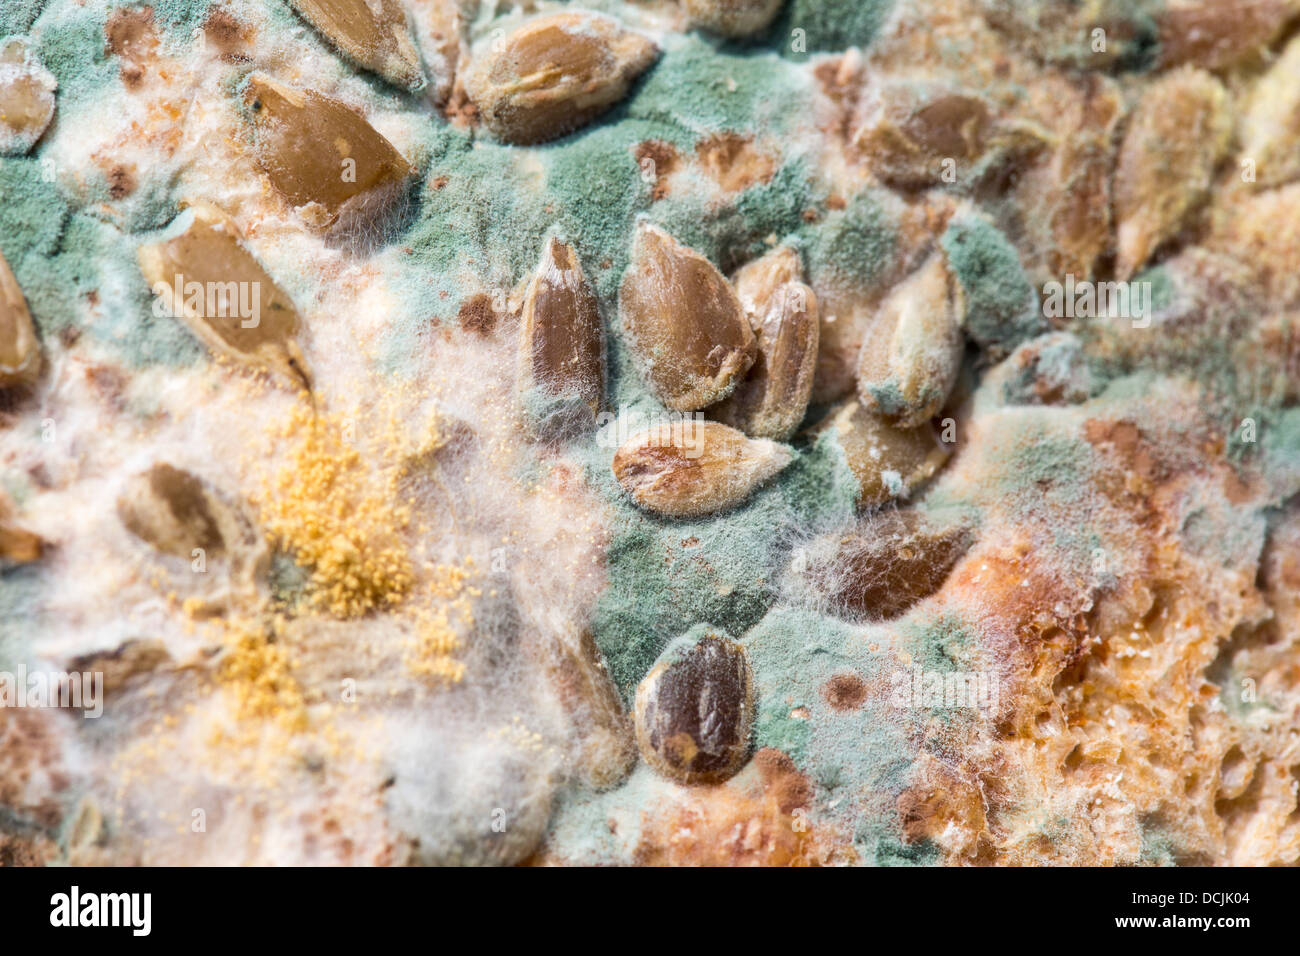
(257, 671)
(339, 515)
(430, 653)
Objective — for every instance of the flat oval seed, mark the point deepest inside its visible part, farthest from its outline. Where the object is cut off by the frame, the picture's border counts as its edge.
(20, 353)
(684, 323)
(606, 750)
(561, 379)
(322, 155)
(732, 18)
(912, 353)
(223, 295)
(26, 97)
(1217, 33)
(695, 710)
(889, 462)
(1178, 133)
(371, 33)
(554, 74)
(173, 511)
(894, 560)
(694, 468)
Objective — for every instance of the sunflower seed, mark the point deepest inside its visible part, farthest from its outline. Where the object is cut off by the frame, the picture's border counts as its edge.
(322, 156)
(1215, 34)
(684, 322)
(732, 18)
(695, 709)
(692, 468)
(371, 33)
(772, 399)
(554, 74)
(20, 353)
(26, 97)
(889, 462)
(606, 750)
(206, 278)
(1177, 135)
(175, 512)
(1270, 125)
(913, 350)
(894, 560)
(561, 376)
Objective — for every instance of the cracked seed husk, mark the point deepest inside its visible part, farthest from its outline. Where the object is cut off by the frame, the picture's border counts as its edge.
(1176, 136)
(889, 462)
(1270, 122)
(216, 277)
(891, 562)
(913, 351)
(732, 18)
(561, 378)
(26, 97)
(371, 33)
(172, 510)
(20, 351)
(771, 400)
(684, 322)
(695, 709)
(322, 156)
(554, 74)
(693, 468)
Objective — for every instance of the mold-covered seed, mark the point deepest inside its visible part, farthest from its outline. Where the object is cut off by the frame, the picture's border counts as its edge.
(889, 462)
(561, 378)
(20, 354)
(892, 561)
(213, 284)
(692, 468)
(695, 709)
(732, 18)
(771, 400)
(322, 156)
(554, 74)
(606, 750)
(1177, 135)
(371, 33)
(684, 323)
(26, 97)
(1215, 34)
(1270, 124)
(913, 350)
(175, 512)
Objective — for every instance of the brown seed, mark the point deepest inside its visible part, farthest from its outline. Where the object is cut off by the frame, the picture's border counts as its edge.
(894, 560)
(606, 749)
(1215, 34)
(732, 18)
(26, 97)
(175, 512)
(684, 323)
(223, 295)
(20, 353)
(1270, 124)
(322, 155)
(554, 74)
(561, 378)
(913, 350)
(695, 709)
(371, 33)
(772, 399)
(1177, 135)
(692, 468)
(889, 462)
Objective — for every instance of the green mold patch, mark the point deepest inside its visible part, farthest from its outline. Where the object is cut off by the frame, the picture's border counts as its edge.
(71, 44)
(851, 246)
(21, 614)
(1001, 305)
(17, 16)
(814, 26)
